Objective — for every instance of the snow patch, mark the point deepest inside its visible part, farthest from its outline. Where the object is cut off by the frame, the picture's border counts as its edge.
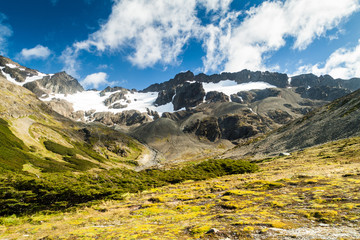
(35, 77)
(8, 77)
(10, 65)
(28, 79)
(230, 87)
(91, 100)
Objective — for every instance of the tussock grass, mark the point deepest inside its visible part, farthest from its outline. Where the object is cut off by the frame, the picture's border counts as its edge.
(303, 190)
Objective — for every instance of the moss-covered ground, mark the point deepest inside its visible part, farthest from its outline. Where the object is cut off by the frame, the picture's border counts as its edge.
(312, 194)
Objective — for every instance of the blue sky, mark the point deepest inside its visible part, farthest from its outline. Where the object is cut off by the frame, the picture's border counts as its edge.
(134, 43)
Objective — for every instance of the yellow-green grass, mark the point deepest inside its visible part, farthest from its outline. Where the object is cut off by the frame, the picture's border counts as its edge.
(315, 187)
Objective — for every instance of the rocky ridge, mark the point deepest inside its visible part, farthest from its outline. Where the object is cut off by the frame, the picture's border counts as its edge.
(191, 109)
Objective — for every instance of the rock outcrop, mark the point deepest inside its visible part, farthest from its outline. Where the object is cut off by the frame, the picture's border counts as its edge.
(127, 118)
(322, 92)
(57, 83)
(164, 97)
(255, 95)
(62, 107)
(115, 97)
(188, 95)
(215, 96)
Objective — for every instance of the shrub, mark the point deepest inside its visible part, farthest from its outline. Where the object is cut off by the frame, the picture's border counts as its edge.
(59, 149)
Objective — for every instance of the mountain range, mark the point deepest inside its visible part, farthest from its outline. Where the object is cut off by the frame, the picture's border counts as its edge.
(63, 148)
(189, 116)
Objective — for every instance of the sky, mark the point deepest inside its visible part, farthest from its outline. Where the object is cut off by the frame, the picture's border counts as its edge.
(135, 43)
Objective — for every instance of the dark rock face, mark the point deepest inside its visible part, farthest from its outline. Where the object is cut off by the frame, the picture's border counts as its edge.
(245, 76)
(305, 80)
(58, 83)
(61, 83)
(188, 95)
(209, 128)
(115, 97)
(311, 80)
(232, 128)
(19, 73)
(36, 88)
(164, 97)
(352, 84)
(254, 95)
(214, 96)
(179, 78)
(322, 92)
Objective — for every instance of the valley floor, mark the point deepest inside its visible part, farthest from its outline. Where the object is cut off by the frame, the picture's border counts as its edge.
(312, 194)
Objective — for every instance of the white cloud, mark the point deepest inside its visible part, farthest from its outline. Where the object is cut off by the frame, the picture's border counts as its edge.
(37, 52)
(266, 27)
(95, 80)
(5, 33)
(71, 64)
(343, 63)
(157, 31)
(216, 5)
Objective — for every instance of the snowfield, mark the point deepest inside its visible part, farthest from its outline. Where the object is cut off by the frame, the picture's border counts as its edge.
(231, 87)
(91, 100)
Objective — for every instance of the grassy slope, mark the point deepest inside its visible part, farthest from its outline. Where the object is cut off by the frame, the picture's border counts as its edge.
(312, 193)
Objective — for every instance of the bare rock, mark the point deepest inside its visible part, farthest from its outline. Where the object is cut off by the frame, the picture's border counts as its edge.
(188, 95)
(115, 97)
(215, 96)
(62, 107)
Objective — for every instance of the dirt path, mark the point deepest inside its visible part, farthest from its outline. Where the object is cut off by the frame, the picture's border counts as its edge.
(149, 159)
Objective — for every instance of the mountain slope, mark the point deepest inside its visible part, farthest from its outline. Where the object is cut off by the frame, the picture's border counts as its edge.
(312, 194)
(337, 120)
(45, 157)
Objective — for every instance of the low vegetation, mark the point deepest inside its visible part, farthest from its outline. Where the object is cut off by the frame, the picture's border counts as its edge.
(313, 193)
(28, 193)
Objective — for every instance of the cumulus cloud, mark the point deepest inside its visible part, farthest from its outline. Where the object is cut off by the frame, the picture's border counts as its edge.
(266, 27)
(71, 64)
(152, 32)
(37, 52)
(95, 80)
(5, 33)
(155, 30)
(343, 63)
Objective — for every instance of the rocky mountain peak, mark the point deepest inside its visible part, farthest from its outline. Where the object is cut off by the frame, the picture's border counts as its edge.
(14, 71)
(58, 83)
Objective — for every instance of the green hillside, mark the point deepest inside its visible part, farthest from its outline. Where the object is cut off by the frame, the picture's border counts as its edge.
(312, 193)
